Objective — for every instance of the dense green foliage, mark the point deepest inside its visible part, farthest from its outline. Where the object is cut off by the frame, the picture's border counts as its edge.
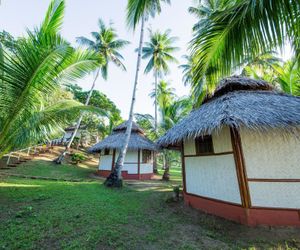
(228, 32)
(30, 72)
(284, 75)
(97, 125)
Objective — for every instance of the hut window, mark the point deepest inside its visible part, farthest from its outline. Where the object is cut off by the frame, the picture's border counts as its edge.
(146, 156)
(106, 151)
(204, 145)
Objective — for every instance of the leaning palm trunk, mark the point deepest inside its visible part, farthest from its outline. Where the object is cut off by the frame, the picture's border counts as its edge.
(115, 178)
(60, 159)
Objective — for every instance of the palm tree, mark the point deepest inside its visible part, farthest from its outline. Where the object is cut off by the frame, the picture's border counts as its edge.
(137, 11)
(198, 91)
(107, 45)
(159, 52)
(31, 72)
(172, 109)
(239, 29)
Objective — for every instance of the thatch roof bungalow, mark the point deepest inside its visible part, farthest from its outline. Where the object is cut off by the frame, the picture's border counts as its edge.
(139, 158)
(241, 153)
(69, 132)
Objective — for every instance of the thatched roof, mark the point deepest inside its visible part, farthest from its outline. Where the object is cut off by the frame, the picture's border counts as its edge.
(123, 126)
(238, 102)
(115, 141)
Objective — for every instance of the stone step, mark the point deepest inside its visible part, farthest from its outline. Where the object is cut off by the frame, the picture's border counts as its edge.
(12, 165)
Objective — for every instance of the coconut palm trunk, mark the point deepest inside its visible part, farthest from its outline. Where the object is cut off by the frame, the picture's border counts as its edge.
(156, 82)
(155, 121)
(60, 159)
(115, 178)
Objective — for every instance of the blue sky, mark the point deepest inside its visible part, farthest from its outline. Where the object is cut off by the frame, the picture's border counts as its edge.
(81, 18)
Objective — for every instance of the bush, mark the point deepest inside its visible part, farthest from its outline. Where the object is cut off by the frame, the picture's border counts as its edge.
(78, 157)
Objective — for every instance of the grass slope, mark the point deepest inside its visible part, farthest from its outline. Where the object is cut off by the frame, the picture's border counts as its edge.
(49, 169)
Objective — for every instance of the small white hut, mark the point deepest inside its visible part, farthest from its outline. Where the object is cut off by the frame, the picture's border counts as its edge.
(138, 162)
(69, 132)
(241, 154)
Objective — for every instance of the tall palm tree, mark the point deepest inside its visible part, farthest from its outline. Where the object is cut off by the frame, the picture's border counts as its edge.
(159, 52)
(107, 45)
(164, 94)
(137, 11)
(172, 109)
(240, 29)
(31, 72)
(197, 91)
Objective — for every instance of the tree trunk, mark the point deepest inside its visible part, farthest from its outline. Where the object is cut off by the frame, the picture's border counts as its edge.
(115, 178)
(155, 117)
(155, 122)
(60, 159)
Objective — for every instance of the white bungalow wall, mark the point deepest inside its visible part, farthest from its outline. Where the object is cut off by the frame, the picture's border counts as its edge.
(146, 168)
(272, 155)
(130, 163)
(105, 161)
(212, 176)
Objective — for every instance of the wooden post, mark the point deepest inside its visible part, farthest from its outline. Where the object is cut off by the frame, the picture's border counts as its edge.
(139, 164)
(28, 151)
(240, 167)
(183, 167)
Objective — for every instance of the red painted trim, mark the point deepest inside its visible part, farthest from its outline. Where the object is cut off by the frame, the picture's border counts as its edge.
(213, 199)
(247, 216)
(273, 180)
(126, 176)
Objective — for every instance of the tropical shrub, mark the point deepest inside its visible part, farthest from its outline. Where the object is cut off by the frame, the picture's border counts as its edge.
(78, 157)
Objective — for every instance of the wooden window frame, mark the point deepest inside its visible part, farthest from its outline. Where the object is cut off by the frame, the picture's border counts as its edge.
(148, 158)
(206, 139)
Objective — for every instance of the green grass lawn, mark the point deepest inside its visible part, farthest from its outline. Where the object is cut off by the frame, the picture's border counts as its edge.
(41, 214)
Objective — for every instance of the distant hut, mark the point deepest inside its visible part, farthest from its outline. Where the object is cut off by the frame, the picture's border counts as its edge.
(241, 153)
(139, 158)
(70, 130)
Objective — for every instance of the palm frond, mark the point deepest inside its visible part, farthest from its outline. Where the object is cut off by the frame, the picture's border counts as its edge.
(242, 28)
(54, 17)
(137, 8)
